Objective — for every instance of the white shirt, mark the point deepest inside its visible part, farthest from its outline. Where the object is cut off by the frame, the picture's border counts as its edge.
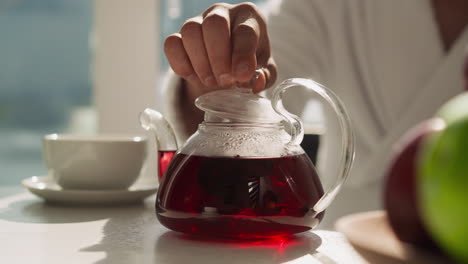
(384, 59)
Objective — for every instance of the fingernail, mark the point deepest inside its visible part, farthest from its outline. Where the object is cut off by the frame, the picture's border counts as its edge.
(242, 68)
(210, 81)
(255, 78)
(225, 79)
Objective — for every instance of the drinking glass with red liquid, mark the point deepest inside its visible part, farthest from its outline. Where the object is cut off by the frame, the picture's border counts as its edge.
(166, 142)
(164, 158)
(243, 174)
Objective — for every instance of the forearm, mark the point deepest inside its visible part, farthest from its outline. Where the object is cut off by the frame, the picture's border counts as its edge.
(179, 108)
(191, 115)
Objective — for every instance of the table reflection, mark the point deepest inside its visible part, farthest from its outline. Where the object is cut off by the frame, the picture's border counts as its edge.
(173, 247)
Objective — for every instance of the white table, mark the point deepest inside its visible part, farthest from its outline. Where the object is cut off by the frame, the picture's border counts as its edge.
(34, 232)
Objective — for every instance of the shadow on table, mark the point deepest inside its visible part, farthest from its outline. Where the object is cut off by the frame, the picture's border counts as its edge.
(37, 211)
(138, 238)
(126, 237)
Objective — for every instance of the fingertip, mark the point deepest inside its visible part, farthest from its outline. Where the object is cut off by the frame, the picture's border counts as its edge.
(172, 41)
(270, 72)
(173, 36)
(256, 83)
(260, 83)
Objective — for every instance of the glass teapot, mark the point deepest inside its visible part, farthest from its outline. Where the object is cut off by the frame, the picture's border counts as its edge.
(243, 173)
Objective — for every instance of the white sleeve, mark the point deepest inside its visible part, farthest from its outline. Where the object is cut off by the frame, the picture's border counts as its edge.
(299, 40)
(298, 34)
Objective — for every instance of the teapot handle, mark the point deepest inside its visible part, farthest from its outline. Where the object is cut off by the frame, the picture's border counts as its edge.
(297, 132)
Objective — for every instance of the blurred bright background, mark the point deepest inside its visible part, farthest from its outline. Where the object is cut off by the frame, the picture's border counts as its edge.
(45, 78)
(47, 72)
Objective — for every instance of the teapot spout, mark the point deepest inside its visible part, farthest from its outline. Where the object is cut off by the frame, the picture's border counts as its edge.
(154, 121)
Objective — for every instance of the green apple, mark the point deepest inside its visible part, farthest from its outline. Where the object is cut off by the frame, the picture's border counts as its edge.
(443, 178)
(456, 108)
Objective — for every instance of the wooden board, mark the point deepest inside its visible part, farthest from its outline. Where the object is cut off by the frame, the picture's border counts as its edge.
(371, 235)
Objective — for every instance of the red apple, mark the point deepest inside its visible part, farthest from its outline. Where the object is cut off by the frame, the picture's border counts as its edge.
(443, 180)
(400, 194)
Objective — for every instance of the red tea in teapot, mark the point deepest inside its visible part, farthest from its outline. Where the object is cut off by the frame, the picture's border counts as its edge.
(248, 198)
(267, 191)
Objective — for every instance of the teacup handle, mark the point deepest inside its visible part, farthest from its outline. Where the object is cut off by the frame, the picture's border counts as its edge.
(297, 131)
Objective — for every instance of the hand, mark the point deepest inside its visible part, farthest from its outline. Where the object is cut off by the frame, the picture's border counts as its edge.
(222, 47)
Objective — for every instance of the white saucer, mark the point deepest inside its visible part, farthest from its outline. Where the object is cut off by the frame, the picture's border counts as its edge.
(45, 187)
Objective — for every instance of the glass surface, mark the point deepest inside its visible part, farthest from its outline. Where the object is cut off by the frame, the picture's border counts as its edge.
(45, 84)
(296, 129)
(241, 198)
(220, 185)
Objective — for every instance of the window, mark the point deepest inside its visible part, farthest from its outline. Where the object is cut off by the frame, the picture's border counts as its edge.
(45, 83)
(78, 67)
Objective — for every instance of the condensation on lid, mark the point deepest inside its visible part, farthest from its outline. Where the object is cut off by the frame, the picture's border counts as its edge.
(237, 105)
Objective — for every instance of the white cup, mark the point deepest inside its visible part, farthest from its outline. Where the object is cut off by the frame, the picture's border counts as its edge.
(94, 162)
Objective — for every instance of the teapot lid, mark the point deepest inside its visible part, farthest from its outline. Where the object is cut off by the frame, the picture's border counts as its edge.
(237, 105)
